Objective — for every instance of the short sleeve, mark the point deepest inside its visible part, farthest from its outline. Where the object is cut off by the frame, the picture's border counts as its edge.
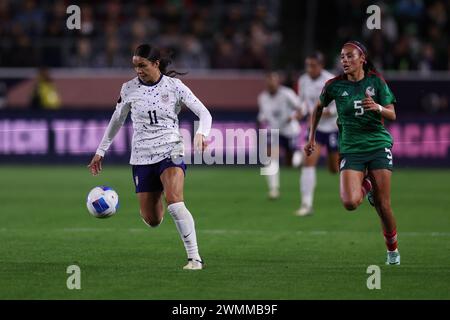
(326, 97)
(385, 94)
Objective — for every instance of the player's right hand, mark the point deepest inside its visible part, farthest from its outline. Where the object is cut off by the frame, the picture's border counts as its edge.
(200, 143)
(96, 165)
(310, 147)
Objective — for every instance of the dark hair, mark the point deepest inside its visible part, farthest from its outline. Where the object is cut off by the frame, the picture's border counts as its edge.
(317, 55)
(368, 64)
(154, 54)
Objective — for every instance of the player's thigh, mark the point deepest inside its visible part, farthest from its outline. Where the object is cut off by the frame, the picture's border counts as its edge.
(333, 161)
(313, 159)
(151, 206)
(289, 154)
(331, 141)
(350, 186)
(381, 182)
(172, 179)
(381, 159)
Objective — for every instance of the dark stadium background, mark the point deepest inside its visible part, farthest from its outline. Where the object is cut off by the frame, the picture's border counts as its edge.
(225, 46)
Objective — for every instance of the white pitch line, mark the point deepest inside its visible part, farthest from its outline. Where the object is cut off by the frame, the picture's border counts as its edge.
(237, 231)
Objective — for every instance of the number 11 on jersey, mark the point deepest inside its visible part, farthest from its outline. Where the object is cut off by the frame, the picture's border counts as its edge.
(154, 119)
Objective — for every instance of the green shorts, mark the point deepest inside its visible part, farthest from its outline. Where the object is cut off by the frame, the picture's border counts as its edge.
(377, 159)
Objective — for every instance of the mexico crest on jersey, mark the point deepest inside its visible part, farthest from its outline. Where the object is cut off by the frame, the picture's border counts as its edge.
(165, 97)
(370, 91)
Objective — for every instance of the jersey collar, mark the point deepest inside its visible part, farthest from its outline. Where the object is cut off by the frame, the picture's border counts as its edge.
(151, 84)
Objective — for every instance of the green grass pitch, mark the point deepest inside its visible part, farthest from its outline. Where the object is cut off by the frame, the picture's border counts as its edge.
(254, 248)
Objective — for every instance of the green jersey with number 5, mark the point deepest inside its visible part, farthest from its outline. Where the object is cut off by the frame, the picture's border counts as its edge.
(359, 130)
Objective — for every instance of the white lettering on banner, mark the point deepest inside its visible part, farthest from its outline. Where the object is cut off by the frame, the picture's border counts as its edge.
(23, 137)
(77, 137)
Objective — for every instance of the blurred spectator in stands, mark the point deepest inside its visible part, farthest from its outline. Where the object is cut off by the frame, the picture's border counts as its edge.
(233, 27)
(83, 56)
(33, 32)
(403, 58)
(110, 29)
(23, 53)
(111, 56)
(138, 31)
(2, 95)
(379, 50)
(200, 25)
(144, 16)
(427, 61)
(113, 12)
(45, 96)
(437, 14)
(88, 25)
(224, 56)
(440, 43)
(170, 38)
(5, 17)
(409, 10)
(51, 48)
(31, 18)
(448, 57)
(434, 103)
(235, 17)
(192, 56)
(254, 57)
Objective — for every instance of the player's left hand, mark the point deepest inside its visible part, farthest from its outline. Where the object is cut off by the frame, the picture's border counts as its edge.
(369, 104)
(200, 143)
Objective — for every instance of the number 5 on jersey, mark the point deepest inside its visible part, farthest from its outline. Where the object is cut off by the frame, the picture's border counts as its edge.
(154, 119)
(359, 109)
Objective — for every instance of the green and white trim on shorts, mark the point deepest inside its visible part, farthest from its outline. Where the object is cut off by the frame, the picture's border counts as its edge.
(373, 160)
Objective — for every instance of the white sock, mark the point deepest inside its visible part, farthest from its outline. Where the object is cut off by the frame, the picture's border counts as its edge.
(186, 228)
(307, 185)
(273, 180)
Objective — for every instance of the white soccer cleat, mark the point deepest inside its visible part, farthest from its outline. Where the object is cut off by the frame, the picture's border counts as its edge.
(274, 194)
(393, 257)
(194, 265)
(304, 211)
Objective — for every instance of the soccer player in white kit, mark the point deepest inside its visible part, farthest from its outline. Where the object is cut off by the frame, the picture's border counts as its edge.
(310, 87)
(155, 98)
(279, 108)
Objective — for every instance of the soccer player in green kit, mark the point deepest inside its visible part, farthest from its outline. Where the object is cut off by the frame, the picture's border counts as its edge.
(363, 101)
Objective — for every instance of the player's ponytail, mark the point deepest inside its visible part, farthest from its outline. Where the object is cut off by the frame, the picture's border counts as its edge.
(369, 66)
(154, 54)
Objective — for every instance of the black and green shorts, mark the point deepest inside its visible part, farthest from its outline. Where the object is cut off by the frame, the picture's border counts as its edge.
(373, 160)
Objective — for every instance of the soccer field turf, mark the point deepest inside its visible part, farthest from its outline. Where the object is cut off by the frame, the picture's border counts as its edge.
(254, 248)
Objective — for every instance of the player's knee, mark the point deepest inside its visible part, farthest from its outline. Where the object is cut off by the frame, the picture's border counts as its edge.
(153, 223)
(350, 203)
(150, 219)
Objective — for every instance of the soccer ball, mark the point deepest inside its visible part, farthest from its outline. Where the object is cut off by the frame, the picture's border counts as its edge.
(102, 202)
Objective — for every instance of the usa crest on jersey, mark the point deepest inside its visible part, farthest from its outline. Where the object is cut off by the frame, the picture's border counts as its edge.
(165, 97)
